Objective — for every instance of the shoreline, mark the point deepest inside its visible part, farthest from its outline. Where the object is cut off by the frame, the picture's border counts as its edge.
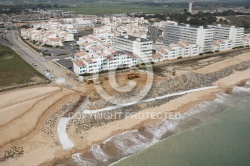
(50, 154)
(140, 126)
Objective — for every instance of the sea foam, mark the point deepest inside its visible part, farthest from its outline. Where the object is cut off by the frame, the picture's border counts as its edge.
(131, 142)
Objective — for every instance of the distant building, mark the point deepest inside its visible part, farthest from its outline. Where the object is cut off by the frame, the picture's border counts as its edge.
(246, 40)
(233, 33)
(190, 6)
(201, 36)
(78, 23)
(133, 29)
(102, 29)
(222, 45)
(140, 47)
(180, 49)
(161, 24)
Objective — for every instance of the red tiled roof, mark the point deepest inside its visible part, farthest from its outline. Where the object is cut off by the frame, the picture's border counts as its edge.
(79, 63)
(88, 60)
(82, 53)
(156, 56)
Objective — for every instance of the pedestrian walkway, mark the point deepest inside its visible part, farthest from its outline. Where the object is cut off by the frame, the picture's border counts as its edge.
(62, 134)
(147, 100)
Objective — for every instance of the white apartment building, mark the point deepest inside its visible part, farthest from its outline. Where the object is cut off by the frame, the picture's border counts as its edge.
(246, 40)
(128, 20)
(78, 23)
(56, 37)
(140, 47)
(201, 36)
(131, 29)
(205, 39)
(65, 36)
(225, 32)
(54, 42)
(86, 42)
(176, 50)
(161, 24)
(222, 45)
(106, 60)
(106, 20)
(102, 29)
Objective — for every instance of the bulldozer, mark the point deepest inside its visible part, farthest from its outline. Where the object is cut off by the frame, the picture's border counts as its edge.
(133, 76)
(68, 73)
(106, 77)
(89, 81)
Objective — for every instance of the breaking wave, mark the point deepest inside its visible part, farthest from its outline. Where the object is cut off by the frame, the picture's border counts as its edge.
(248, 83)
(81, 162)
(130, 142)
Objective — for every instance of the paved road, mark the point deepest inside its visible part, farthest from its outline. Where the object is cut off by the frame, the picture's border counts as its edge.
(153, 33)
(4, 42)
(31, 56)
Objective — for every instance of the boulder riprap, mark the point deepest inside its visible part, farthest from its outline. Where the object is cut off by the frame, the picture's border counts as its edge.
(181, 83)
(15, 152)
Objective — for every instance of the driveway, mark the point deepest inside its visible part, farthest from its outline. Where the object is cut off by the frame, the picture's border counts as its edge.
(154, 33)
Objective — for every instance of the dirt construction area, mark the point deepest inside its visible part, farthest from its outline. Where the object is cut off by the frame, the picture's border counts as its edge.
(115, 83)
(161, 71)
(29, 117)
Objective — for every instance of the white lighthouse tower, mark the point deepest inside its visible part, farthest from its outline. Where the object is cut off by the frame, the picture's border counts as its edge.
(190, 6)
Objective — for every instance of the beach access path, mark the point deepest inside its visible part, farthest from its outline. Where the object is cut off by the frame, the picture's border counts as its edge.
(62, 134)
(147, 100)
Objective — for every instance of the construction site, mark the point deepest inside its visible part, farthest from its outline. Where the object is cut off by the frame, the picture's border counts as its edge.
(36, 120)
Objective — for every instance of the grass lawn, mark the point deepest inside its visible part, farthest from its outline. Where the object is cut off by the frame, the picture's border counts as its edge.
(14, 70)
(116, 8)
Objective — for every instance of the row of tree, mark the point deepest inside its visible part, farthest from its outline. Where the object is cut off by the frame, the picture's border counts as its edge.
(199, 19)
(18, 9)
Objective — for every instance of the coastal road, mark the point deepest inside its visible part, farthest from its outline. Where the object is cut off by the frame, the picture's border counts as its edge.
(3, 41)
(31, 56)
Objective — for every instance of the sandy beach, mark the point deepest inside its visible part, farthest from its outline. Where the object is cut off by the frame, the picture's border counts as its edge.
(43, 149)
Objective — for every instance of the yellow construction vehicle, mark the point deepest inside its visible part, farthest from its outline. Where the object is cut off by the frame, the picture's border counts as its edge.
(132, 76)
(68, 73)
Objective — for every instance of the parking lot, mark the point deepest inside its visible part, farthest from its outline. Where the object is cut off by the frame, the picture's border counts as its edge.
(68, 50)
(67, 63)
(63, 55)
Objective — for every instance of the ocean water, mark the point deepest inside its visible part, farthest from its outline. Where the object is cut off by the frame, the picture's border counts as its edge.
(212, 133)
(223, 139)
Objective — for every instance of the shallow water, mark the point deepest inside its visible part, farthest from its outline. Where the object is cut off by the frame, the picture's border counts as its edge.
(223, 139)
(212, 133)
